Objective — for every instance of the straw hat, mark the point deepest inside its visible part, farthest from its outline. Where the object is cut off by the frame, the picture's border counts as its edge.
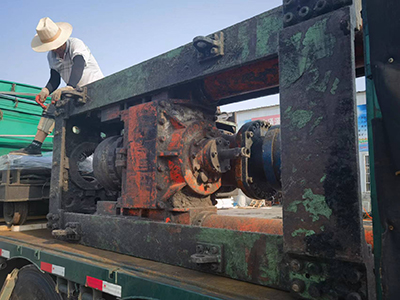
(50, 35)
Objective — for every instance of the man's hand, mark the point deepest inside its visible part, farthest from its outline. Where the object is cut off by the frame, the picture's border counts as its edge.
(44, 93)
(56, 95)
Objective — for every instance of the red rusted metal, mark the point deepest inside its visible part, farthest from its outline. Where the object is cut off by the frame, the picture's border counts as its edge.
(111, 113)
(257, 76)
(268, 226)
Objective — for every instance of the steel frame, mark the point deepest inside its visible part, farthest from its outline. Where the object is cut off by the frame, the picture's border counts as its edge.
(322, 252)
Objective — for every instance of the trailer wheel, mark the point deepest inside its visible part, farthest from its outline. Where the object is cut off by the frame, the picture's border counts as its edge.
(15, 213)
(34, 285)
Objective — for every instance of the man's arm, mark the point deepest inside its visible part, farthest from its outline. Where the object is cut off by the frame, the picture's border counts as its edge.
(77, 71)
(54, 81)
(75, 77)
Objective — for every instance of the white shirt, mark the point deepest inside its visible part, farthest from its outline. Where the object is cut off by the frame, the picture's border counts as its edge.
(63, 66)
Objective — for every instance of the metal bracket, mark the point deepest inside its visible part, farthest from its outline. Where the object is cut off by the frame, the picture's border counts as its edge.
(209, 47)
(79, 96)
(70, 233)
(208, 257)
(297, 11)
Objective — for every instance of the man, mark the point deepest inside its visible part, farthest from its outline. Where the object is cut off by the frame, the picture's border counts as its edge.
(70, 59)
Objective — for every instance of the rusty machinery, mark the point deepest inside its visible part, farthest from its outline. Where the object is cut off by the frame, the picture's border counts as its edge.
(159, 156)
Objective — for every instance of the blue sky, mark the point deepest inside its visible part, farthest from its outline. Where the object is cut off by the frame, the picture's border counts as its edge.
(119, 33)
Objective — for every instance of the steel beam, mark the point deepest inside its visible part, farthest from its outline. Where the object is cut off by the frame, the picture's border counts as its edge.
(248, 256)
(246, 42)
(321, 193)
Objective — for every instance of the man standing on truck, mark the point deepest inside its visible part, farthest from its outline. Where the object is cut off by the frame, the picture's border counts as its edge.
(70, 59)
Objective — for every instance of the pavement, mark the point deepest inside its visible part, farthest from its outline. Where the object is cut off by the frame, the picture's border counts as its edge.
(269, 212)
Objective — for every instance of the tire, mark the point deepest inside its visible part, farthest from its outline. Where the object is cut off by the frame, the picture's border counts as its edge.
(15, 213)
(32, 284)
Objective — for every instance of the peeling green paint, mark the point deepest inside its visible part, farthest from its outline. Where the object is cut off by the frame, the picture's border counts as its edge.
(295, 40)
(245, 37)
(294, 170)
(335, 86)
(292, 207)
(303, 182)
(317, 84)
(235, 261)
(267, 28)
(323, 178)
(316, 44)
(274, 258)
(313, 203)
(300, 118)
(316, 123)
(287, 111)
(322, 228)
(308, 157)
(301, 231)
(316, 205)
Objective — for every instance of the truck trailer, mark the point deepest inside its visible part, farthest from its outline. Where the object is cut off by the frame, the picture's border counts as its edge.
(143, 223)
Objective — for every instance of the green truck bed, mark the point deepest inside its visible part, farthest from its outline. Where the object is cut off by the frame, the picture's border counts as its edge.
(121, 276)
(19, 117)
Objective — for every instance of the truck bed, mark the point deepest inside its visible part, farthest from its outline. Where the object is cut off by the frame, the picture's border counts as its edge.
(137, 277)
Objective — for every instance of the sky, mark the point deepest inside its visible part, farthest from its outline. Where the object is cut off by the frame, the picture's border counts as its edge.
(119, 33)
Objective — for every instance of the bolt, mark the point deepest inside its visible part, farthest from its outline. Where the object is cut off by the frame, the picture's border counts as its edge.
(214, 250)
(162, 138)
(391, 60)
(353, 296)
(213, 50)
(207, 186)
(249, 134)
(214, 154)
(55, 163)
(296, 265)
(288, 18)
(250, 180)
(297, 286)
(199, 249)
(3, 265)
(391, 227)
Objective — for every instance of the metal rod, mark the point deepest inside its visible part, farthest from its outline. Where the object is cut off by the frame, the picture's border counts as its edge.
(268, 226)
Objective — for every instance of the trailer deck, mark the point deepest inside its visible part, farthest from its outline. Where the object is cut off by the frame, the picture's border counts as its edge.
(146, 278)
